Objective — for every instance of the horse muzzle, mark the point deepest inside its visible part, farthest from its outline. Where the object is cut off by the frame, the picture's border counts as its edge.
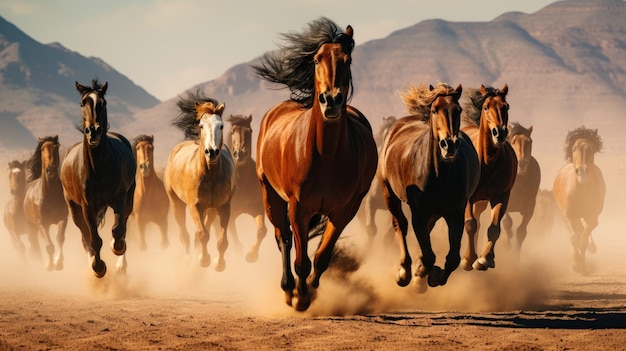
(144, 169)
(212, 155)
(448, 148)
(498, 135)
(331, 104)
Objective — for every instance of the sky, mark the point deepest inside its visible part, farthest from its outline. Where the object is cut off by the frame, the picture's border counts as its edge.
(168, 46)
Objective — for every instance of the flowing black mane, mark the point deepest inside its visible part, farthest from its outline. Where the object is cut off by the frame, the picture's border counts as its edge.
(292, 65)
(33, 165)
(473, 103)
(140, 138)
(187, 117)
(590, 135)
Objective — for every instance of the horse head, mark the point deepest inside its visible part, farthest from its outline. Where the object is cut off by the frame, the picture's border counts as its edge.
(581, 145)
(333, 75)
(94, 112)
(240, 138)
(144, 154)
(50, 160)
(495, 113)
(17, 178)
(445, 121)
(522, 144)
(211, 126)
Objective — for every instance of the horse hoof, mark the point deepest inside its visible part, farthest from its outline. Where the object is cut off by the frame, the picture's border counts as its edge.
(302, 304)
(465, 264)
(58, 266)
(252, 257)
(402, 278)
(289, 298)
(118, 247)
(99, 270)
(205, 261)
(420, 285)
(437, 277)
(480, 264)
(220, 265)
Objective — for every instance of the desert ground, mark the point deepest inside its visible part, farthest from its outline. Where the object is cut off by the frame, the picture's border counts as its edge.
(166, 301)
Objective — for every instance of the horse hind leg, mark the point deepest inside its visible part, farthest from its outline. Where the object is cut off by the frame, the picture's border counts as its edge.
(261, 231)
(58, 255)
(507, 227)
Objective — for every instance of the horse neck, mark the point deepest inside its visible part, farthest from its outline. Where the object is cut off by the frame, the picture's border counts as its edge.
(485, 149)
(433, 146)
(98, 155)
(328, 135)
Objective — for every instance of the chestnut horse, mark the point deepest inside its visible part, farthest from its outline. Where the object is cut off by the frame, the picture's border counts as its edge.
(579, 191)
(316, 155)
(151, 204)
(44, 204)
(523, 196)
(14, 218)
(427, 162)
(99, 172)
(485, 113)
(248, 198)
(200, 175)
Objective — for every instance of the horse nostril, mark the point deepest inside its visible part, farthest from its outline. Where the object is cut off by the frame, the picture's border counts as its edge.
(494, 132)
(87, 130)
(339, 99)
(206, 151)
(322, 98)
(443, 143)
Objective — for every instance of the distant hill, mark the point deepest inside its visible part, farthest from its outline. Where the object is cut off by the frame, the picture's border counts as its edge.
(38, 95)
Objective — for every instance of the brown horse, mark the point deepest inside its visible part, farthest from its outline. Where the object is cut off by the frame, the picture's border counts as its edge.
(485, 113)
(427, 162)
(151, 204)
(14, 218)
(316, 155)
(99, 172)
(248, 198)
(523, 196)
(374, 200)
(200, 174)
(44, 204)
(579, 191)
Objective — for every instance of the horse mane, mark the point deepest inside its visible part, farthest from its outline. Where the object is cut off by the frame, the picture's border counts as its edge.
(33, 165)
(517, 129)
(16, 164)
(187, 116)
(140, 138)
(418, 99)
(581, 132)
(380, 134)
(293, 66)
(473, 104)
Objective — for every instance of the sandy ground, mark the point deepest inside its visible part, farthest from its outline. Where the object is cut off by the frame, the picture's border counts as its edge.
(166, 301)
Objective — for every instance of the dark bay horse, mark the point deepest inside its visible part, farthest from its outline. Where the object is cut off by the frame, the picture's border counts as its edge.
(523, 196)
(579, 190)
(316, 155)
(99, 172)
(44, 204)
(374, 201)
(14, 218)
(427, 162)
(200, 174)
(151, 204)
(485, 113)
(248, 198)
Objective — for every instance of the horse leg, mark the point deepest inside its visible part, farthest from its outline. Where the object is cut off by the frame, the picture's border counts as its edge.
(33, 240)
(401, 226)
(261, 231)
(44, 233)
(507, 226)
(141, 228)
(589, 224)
(575, 226)
(455, 233)
(487, 257)
(85, 220)
(178, 209)
(202, 234)
(302, 263)
(522, 231)
(222, 239)
(58, 256)
(471, 226)
(162, 223)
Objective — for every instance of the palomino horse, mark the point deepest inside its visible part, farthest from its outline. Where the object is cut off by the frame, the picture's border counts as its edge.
(151, 204)
(374, 200)
(248, 198)
(486, 118)
(524, 193)
(14, 218)
(316, 155)
(44, 204)
(579, 191)
(99, 172)
(427, 162)
(200, 174)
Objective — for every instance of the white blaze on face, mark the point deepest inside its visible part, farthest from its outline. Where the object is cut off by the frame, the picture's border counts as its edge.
(211, 128)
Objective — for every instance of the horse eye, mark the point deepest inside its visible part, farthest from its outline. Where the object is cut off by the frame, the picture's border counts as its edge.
(433, 111)
(221, 127)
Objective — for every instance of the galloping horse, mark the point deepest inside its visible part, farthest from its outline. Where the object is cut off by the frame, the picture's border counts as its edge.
(99, 172)
(579, 191)
(200, 174)
(44, 204)
(524, 193)
(248, 198)
(429, 163)
(316, 155)
(14, 218)
(486, 118)
(151, 203)
(374, 200)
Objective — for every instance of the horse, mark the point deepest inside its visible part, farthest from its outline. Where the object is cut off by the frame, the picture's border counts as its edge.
(248, 198)
(151, 204)
(579, 191)
(485, 115)
(316, 154)
(14, 218)
(374, 200)
(200, 174)
(523, 197)
(99, 172)
(44, 204)
(429, 163)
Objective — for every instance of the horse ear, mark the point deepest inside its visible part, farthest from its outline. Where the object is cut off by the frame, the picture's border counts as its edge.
(350, 31)
(483, 90)
(431, 87)
(152, 137)
(220, 109)
(505, 89)
(458, 91)
(81, 88)
(104, 88)
(530, 129)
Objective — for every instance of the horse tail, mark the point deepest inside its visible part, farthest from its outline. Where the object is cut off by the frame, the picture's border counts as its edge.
(317, 225)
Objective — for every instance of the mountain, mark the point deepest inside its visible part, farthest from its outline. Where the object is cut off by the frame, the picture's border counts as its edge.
(565, 65)
(38, 95)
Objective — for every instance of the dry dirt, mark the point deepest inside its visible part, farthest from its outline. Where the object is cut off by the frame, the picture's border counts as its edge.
(166, 301)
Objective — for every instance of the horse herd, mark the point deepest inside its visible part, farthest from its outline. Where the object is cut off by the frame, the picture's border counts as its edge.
(318, 164)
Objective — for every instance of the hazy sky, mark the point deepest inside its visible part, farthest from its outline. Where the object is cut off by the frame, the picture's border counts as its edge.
(168, 46)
